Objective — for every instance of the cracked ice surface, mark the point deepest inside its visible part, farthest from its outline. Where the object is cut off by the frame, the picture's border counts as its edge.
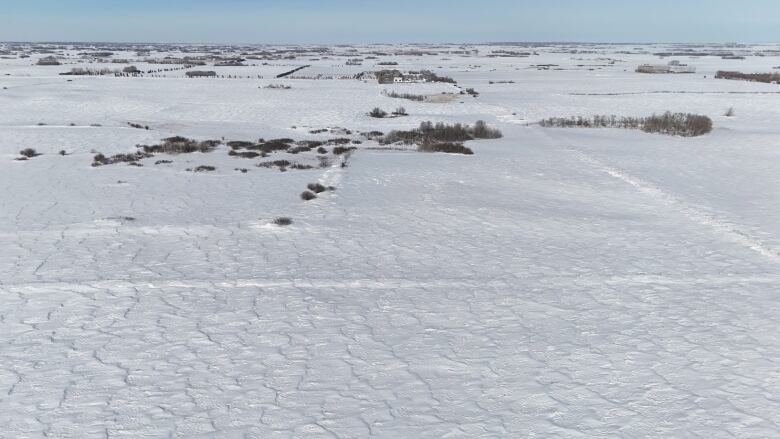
(555, 284)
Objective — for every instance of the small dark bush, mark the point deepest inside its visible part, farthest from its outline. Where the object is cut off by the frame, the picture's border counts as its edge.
(299, 149)
(322, 150)
(63, 152)
(181, 145)
(133, 158)
(283, 221)
(240, 144)
(408, 96)
(316, 188)
(204, 168)
(451, 148)
(29, 153)
(245, 154)
(343, 149)
(378, 113)
(306, 196)
(162, 162)
(275, 163)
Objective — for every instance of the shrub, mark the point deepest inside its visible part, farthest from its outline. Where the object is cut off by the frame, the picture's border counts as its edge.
(400, 111)
(283, 221)
(307, 195)
(181, 145)
(677, 124)
(755, 77)
(408, 96)
(322, 150)
(299, 149)
(275, 163)
(63, 152)
(240, 144)
(451, 148)
(729, 112)
(378, 113)
(132, 158)
(316, 188)
(29, 153)
(343, 149)
(429, 133)
(204, 168)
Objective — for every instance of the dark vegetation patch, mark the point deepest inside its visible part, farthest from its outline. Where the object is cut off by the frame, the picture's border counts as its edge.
(29, 153)
(181, 145)
(448, 147)
(771, 78)
(378, 113)
(408, 96)
(339, 150)
(203, 168)
(317, 188)
(675, 124)
(131, 158)
(429, 133)
(283, 221)
(138, 126)
(308, 195)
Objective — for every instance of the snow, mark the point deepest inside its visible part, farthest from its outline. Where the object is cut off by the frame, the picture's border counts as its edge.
(557, 283)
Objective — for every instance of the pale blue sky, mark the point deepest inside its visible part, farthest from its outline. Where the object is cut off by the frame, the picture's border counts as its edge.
(338, 21)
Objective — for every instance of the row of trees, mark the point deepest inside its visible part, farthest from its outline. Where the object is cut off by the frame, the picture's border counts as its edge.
(676, 124)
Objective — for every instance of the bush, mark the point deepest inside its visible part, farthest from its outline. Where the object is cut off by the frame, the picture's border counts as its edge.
(29, 153)
(408, 96)
(283, 221)
(378, 113)
(451, 148)
(729, 112)
(676, 124)
(316, 188)
(204, 168)
(400, 111)
(428, 133)
(132, 158)
(755, 77)
(181, 145)
(343, 149)
(307, 195)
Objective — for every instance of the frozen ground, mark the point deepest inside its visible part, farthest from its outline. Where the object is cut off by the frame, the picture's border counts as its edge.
(558, 283)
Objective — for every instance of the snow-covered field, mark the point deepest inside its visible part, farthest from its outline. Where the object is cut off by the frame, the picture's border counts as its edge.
(557, 283)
